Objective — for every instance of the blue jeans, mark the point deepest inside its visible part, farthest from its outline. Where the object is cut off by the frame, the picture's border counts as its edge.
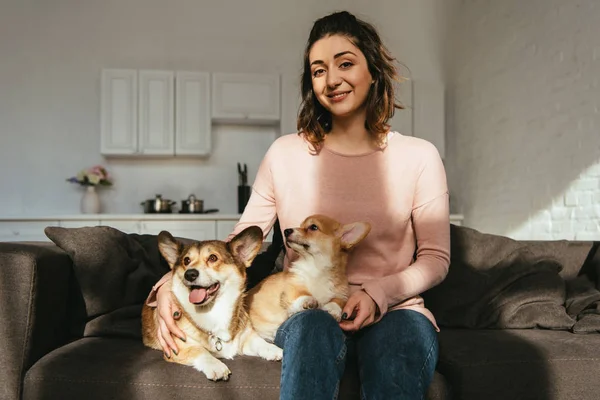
(396, 356)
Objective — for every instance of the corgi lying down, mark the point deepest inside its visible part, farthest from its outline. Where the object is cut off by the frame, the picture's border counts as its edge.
(317, 279)
(208, 284)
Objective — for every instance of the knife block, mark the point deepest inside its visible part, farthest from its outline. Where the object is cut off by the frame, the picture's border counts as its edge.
(243, 197)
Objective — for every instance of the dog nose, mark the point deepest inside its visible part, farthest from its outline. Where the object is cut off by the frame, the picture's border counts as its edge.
(191, 275)
(287, 232)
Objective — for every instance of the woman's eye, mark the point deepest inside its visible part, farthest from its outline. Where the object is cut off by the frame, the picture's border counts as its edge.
(318, 72)
(346, 64)
(186, 261)
(313, 227)
(212, 258)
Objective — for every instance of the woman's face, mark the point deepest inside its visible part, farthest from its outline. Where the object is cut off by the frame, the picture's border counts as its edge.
(340, 75)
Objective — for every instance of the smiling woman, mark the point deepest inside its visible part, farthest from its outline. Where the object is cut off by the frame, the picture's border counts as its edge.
(346, 162)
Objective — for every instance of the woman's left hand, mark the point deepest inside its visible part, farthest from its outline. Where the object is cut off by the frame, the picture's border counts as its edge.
(362, 307)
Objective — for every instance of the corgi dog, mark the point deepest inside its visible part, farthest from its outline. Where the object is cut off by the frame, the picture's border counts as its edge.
(208, 285)
(316, 279)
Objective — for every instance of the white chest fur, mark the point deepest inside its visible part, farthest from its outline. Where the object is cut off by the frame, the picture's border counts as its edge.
(318, 280)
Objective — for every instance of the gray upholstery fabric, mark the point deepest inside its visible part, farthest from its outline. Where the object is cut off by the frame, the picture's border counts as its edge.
(520, 364)
(123, 369)
(114, 272)
(497, 282)
(34, 283)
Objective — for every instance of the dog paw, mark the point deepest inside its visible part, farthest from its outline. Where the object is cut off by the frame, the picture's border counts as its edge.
(271, 352)
(214, 369)
(334, 310)
(303, 303)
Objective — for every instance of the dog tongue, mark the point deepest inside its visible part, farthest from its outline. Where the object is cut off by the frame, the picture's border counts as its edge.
(197, 296)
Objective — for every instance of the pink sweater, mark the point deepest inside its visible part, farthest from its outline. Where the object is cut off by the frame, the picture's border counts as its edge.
(401, 190)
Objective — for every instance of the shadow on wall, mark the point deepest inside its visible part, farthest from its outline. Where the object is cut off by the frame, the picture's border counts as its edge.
(523, 117)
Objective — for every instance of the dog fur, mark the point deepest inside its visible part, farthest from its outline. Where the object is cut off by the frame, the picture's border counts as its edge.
(211, 274)
(317, 279)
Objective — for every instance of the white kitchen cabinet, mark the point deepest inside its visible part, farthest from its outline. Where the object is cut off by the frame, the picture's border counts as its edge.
(156, 109)
(127, 226)
(429, 113)
(224, 228)
(155, 113)
(118, 120)
(79, 223)
(25, 231)
(193, 121)
(196, 230)
(246, 98)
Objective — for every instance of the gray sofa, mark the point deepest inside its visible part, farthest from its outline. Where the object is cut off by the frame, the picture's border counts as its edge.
(519, 320)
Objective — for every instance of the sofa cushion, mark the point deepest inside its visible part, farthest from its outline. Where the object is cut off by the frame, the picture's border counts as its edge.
(520, 364)
(115, 272)
(103, 368)
(496, 282)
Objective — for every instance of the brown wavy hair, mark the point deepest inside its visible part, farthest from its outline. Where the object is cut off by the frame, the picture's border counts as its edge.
(313, 119)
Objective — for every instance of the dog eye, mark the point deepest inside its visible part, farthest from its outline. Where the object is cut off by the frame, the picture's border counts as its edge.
(212, 258)
(313, 227)
(186, 260)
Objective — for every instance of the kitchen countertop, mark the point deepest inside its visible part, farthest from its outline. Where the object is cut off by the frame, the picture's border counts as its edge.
(78, 217)
(173, 216)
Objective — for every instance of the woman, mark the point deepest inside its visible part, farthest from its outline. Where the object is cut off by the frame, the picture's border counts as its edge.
(346, 162)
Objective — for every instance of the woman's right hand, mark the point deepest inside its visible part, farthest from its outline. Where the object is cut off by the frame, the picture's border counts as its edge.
(168, 312)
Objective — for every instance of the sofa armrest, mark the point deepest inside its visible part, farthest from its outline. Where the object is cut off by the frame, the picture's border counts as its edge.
(34, 287)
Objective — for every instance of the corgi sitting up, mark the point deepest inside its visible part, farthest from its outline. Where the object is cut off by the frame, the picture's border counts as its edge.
(208, 283)
(316, 279)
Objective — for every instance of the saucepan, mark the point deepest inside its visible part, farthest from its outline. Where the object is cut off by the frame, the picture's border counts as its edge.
(158, 205)
(192, 205)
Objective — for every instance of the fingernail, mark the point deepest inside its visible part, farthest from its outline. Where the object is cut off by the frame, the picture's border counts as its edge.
(344, 316)
(176, 314)
(182, 339)
(174, 352)
(167, 355)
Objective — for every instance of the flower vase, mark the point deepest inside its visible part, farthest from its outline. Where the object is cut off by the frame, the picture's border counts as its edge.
(90, 201)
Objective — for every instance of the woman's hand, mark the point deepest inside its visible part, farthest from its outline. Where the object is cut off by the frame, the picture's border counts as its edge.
(168, 312)
(360, 306)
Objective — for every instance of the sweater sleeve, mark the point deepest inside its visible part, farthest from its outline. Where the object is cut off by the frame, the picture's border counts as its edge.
(431, 222)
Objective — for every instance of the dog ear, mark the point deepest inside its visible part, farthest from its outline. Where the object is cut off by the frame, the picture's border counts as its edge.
(169, 247)
(351, 234)
(246, 244)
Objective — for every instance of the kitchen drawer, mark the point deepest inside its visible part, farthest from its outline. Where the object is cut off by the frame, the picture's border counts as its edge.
(225, 227)
(25, 231)
(196, 230)
(126, 226)
(79, 223)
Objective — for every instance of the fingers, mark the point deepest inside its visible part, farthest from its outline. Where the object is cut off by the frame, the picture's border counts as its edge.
(166, 336)
(161, 341)
(170, 322)
(353, 325)
(350, 308)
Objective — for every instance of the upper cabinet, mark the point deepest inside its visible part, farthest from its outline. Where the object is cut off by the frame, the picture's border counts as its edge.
(156, 110)
(192, 119)
(155, 113)
(118, 122)
(246, 98)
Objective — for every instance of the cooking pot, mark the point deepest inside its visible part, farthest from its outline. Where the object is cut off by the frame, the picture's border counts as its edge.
(192, 205)
(158, 205)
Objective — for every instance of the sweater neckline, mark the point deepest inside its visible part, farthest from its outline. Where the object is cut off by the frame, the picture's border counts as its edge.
(390, 135)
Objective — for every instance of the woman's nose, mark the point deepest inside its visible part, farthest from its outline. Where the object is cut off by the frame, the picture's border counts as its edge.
(333, 79)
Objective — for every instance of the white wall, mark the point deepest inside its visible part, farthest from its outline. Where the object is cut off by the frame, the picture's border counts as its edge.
(523, 119)
(52, 53)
